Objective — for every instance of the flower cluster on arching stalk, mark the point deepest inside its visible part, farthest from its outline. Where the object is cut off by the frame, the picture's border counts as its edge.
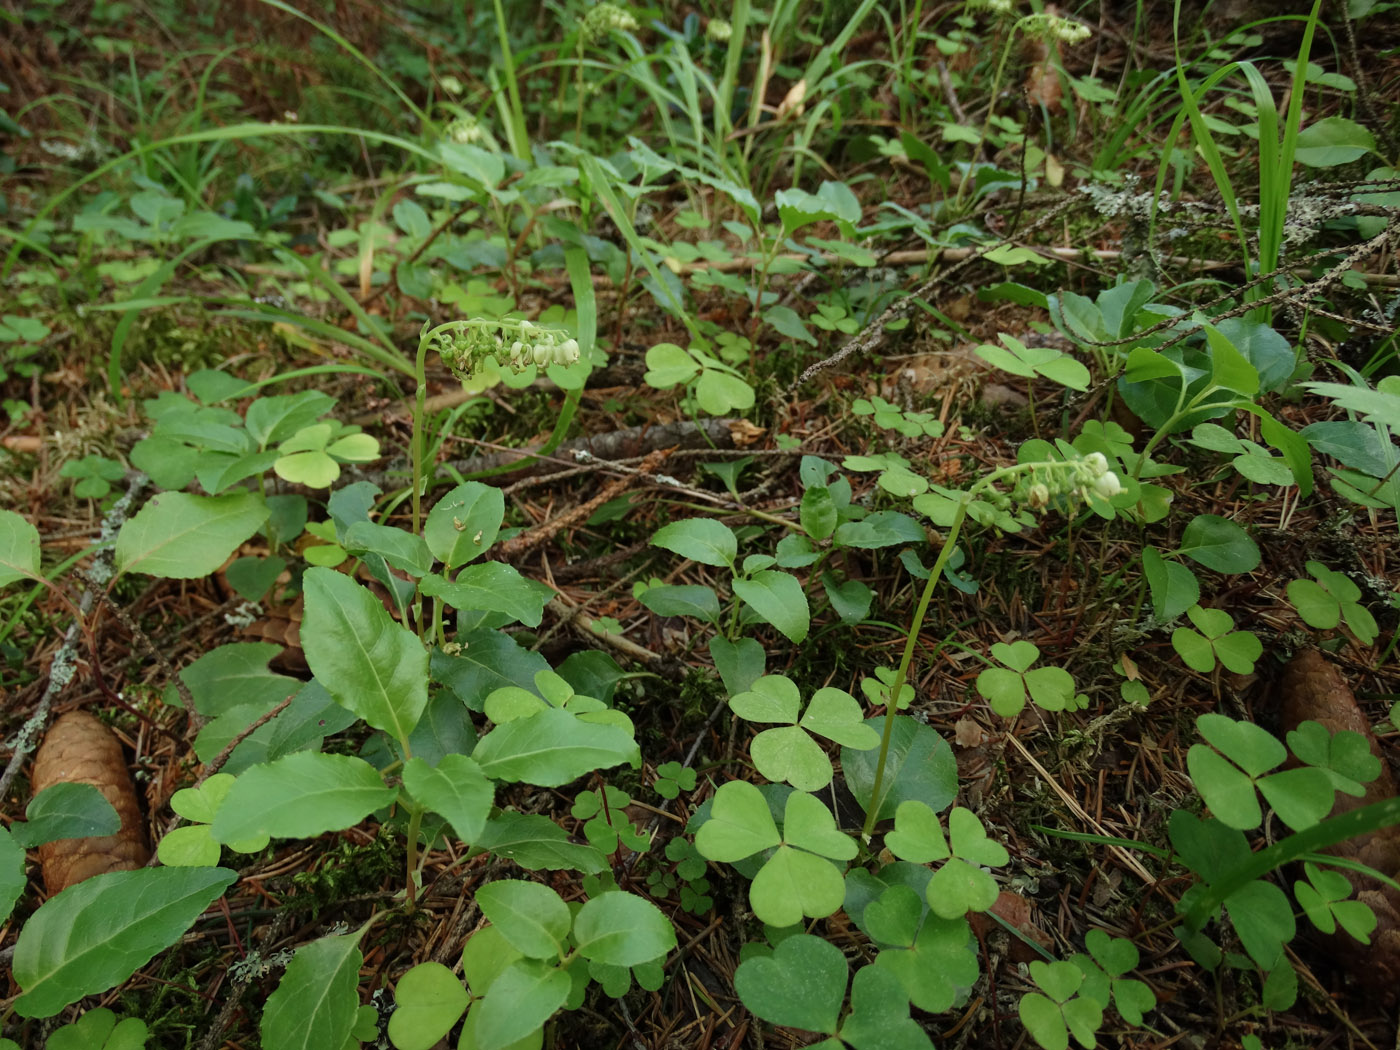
(517, 346)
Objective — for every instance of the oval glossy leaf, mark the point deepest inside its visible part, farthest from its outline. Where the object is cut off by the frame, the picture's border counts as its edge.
(519, 1001)
(463, 524)
(532, 918)
(93, 936)
(182, 536)
(66, 811)
(370, 664)
(317, 1000)
(301, 796)
(552, 748)
(398, 547)
(12, 878)
(621, 929)
(778, 598)
(920, 767)
(492, 587)
(704, 540)
(1219, 544)
(457, 789)
(19, 548)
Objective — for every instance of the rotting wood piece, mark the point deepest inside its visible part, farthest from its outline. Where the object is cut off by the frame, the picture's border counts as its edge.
(1314, 690)
(79, 749)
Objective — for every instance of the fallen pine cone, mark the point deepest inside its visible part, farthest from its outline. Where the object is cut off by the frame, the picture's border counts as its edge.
(1314, 690)
(79, 749)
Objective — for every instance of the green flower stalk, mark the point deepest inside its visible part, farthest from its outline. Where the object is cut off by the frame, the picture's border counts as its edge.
(1034, 485)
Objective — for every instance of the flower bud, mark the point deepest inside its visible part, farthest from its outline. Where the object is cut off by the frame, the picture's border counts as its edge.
(543, 354)
(567, 352)
(1037, 496)
(1097, 464)
(1107, 486)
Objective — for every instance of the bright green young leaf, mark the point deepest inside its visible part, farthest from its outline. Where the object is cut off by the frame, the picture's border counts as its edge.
(669, 365)
(1021, 360)
(97, 933)
(531, 917)
(181, 536)
(428, 1001)
(19, 548)
(1329, 600)
(1345, 756)
(317, 1001)
(703, 540)
(1230, 368)
(97, 1029)
(801, 985)
(464, 523)
(621, 929)
(1216, 639)
(456, 788)
(778, 599)
(740, 824)
(301, 796)
(790, 755)
(370, 664)
(720, 393)
(917, 834)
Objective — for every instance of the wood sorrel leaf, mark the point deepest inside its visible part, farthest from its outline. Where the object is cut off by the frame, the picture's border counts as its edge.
(879, 1017)
(917, 835)
(801, 985)
(740, 824)
(428, 1000)
(370, 664)
(97, 933)
(969, 840)
(941, 964)
(808, 824)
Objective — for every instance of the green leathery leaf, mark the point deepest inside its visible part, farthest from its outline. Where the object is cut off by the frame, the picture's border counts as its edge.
(317, 1002)
(518, 1002)
(456, 788)
(622, 929)
(181, 536)
(97, 933)
(778, 598)
(551, 748)
(531, 917)
(19, 548)
(300, 796)
(370, 664)
(464, 524)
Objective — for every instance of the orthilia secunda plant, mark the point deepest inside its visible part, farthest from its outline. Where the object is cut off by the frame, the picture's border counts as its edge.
(1029, 487)
(464, 346)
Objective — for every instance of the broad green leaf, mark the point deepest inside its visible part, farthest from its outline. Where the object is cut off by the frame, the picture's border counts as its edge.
(719, 393)
(1173, 586)
(669, 365)
(551, 748)
(1331, 141)
(704, 540)
(939, 966)
(368, 663)
(19, 548)
(1219, 544)
(808, 824)
(495, 587)
(317, 1001)
(773, 698)
(801, 985)
(518, 1002)
(400, 548)
(535, 842)
(97, 1029)
(12, 875)
(1263, 918)
(836, 715)
(739, 664)
(464, 523)
(456, 789)
(488, 661)
(682, 600)
(65, 811)
(182, 536)
(778, 598)
(917, 835)
(790, 755)
(919, 766)
(428, 1000)
(532, 918)
(301, 796)
(1230, 369)
(96, 934)
(621, 929)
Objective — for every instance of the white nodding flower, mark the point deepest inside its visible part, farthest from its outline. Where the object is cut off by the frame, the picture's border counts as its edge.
(1037, 496)
(567, 352)
(543, 354)
(1107, 486)
(1097, 464)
